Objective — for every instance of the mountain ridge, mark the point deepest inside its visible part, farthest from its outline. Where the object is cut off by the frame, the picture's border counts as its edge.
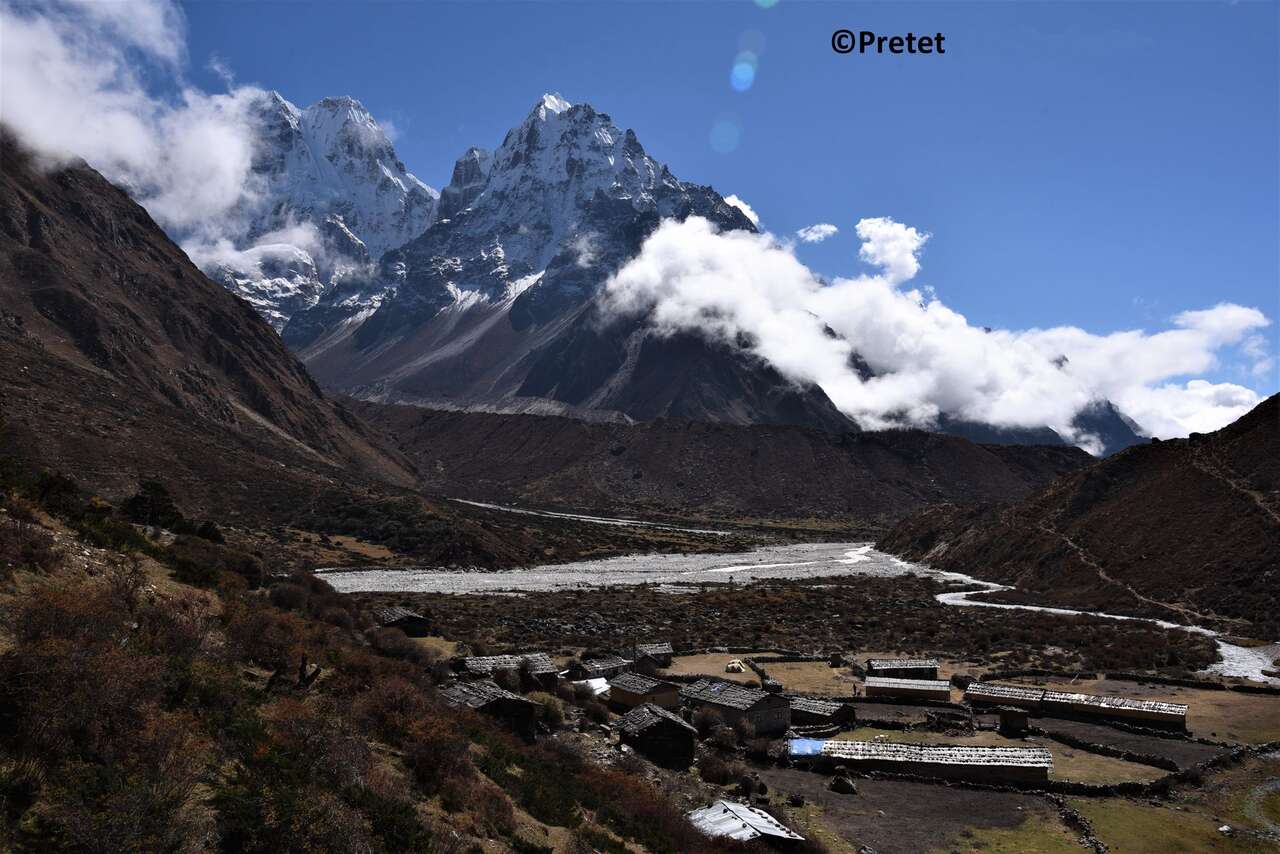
(680, 468)
(1168, 529)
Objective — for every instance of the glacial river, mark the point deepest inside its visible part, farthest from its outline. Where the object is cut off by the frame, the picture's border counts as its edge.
(683, 573)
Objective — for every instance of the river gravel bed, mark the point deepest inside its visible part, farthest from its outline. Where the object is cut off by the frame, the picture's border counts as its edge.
(686, 572)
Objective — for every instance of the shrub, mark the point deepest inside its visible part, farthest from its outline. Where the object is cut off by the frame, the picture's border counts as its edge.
(290, 597)
(26, 545)
(394, 643)
(436, 752)
(550, 711)
(724, 739)
(707, 719)
(392, 707)
(340, 617)
(713, 769)
(210, 531)
(596, 712)
(493, 809)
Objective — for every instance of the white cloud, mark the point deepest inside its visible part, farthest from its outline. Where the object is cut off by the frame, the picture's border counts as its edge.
(71, 85)
(817, 233)
(390, 130)
(294, 240)
(746, 209)
(928, 359)
(892, 246)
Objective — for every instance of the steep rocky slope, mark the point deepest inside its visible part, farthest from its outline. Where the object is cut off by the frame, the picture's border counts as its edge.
(707, 470)
(91, 281)
(120, 362)
(1187, 530)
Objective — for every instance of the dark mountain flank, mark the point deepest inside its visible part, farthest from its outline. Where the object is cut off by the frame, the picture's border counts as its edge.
(1186, 529)
(694, 468)
(91, 285)
(121, 363)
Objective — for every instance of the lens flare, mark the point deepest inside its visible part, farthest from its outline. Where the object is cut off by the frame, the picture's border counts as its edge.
(766, 4)
(743, 74)
(725, 136)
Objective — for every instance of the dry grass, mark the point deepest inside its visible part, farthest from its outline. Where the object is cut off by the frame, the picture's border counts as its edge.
(340, 548)
(446, 648)
(1130, 826)
(1041, 832)
(712, 664)
(813, 677)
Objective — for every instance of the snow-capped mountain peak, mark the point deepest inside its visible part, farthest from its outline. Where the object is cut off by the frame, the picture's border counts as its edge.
(537, 225)
(551, 103)
(331, 186)
(334, 158)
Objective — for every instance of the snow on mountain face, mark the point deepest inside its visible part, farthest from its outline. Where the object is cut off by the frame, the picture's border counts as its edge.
(331, 196)
(492, 306)
(334, 160)
(544, 219)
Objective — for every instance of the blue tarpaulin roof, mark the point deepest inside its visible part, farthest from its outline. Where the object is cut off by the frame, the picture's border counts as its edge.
(806, 746)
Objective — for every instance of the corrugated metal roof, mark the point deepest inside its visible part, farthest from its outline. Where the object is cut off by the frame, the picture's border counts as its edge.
(740, 822)
(721, 693)
(909, 684)
(1154, 706)
(646, 715)
(988, 691)
(944, 754)
(539, 663)
(475, 695)
(902, 662)
(598, 685)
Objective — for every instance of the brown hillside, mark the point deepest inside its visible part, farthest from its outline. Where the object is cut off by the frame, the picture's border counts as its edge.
(121, 363)
(692, 468)
(88, 276)
(1187, 529)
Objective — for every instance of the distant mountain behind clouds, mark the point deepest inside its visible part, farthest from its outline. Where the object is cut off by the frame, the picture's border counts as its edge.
(330, 197)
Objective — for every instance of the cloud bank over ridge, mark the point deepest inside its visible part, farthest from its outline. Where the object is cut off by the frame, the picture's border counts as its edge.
(927, 358)
(74, 78)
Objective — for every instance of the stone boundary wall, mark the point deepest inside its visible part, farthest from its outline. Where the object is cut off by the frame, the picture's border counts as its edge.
(1205, 684)
(1077, 822)
(1160, 762)
(1035, 673)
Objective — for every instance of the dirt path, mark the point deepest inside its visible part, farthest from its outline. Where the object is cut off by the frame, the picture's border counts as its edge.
(1205, 461)
(1187, 614)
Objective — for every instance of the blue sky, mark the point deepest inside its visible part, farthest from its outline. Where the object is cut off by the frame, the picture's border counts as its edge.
(1100, 164)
